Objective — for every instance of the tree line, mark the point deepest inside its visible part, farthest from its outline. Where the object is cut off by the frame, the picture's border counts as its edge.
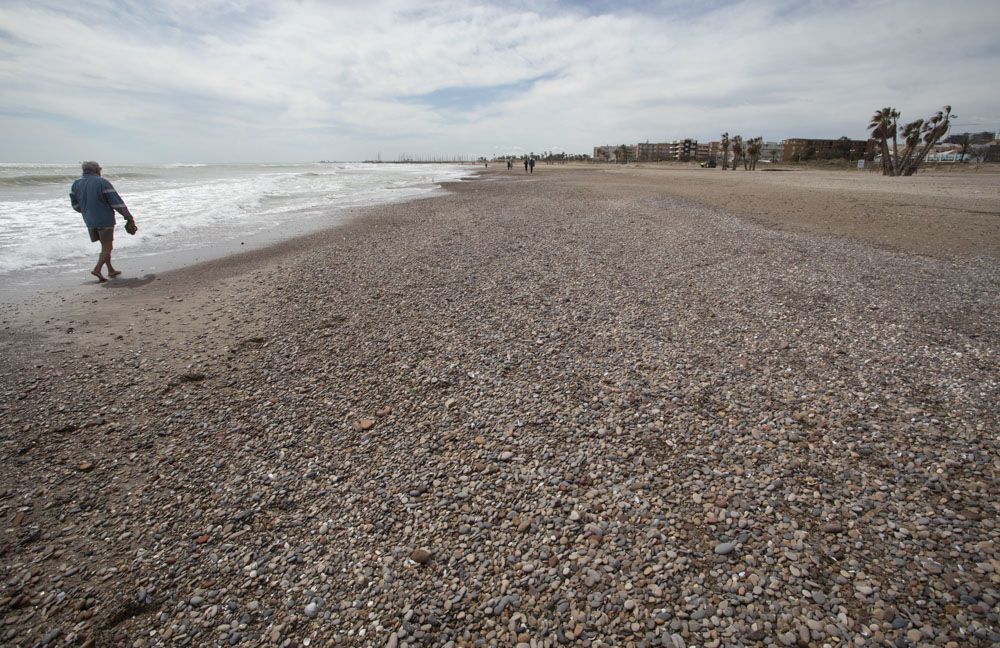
(745, 152)
(884, 126)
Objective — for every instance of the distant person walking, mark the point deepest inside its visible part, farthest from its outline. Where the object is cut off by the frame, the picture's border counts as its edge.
(531, 163)
(525, 165)
(95, 198)
(510, 165)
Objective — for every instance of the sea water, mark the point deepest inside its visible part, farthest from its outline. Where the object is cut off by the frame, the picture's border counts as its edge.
(184, 207)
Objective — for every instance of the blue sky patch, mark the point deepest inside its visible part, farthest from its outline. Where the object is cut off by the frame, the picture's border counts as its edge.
(465, 98)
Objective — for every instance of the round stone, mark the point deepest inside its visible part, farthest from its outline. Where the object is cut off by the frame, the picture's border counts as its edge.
(724, 548)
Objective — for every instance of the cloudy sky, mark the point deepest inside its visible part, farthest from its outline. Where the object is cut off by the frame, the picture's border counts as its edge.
(245, 80)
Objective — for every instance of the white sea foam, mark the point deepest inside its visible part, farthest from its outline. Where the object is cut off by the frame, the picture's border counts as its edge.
(190, 206)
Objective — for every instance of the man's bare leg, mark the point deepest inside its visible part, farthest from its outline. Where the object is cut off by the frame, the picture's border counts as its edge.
(101, 260)
(111, 271)
(97, 268)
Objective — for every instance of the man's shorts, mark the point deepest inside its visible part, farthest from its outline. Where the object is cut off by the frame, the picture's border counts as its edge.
(103, 234)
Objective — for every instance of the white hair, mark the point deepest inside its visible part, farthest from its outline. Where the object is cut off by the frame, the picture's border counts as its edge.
(90, 166)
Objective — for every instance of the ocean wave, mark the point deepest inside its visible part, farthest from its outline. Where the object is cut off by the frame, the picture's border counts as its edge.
(32, 180)
(36, 180)
(128, 175)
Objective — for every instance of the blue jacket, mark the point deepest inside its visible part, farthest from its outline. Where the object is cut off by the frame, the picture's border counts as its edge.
(97, 200)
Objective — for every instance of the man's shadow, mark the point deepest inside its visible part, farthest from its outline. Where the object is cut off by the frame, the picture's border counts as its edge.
(130, 283)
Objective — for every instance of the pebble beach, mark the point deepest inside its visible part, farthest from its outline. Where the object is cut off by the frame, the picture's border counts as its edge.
(588, 406)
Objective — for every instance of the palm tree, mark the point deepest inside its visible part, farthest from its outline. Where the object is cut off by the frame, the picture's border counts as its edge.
(737, 149)
(875, 126)
(883, 127)
(725, 150)
(754, 147)
(933, 130)
(894, 129)
(911, 136)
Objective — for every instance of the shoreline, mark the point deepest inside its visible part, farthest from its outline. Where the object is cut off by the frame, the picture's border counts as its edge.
(282, 202)
(917, 228)
(64, 306)
(573, 406)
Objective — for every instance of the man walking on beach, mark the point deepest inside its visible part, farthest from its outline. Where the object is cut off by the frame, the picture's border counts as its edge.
(525, 165)
(95, 198)
(531, 163)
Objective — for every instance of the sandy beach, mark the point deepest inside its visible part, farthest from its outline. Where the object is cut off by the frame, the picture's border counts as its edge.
(591, 406)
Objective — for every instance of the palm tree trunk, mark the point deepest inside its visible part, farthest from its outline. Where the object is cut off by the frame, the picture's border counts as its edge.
(904, 164)
(912, 146)
(895, 153)
(920, 158)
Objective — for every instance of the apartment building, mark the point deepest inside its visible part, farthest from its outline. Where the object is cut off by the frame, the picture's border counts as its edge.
(613, 153)
(680, 149)
(796, 149)
(652, 151)
(685, 149)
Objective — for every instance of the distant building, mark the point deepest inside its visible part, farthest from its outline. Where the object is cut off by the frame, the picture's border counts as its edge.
(679, 149)
(800, 149)
(614, 153)
(602, 153)
(982, 137)
(652, 151)
(772, 152)
(685, 149)
(948, 156)
(715, 149)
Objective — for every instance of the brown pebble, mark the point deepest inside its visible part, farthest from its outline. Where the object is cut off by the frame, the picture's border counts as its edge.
(420, 556)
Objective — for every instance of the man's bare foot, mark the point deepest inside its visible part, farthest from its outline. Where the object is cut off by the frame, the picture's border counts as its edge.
(114, 273)
(99, 276)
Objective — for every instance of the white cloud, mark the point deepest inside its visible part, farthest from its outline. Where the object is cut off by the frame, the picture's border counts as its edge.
(228, 80)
